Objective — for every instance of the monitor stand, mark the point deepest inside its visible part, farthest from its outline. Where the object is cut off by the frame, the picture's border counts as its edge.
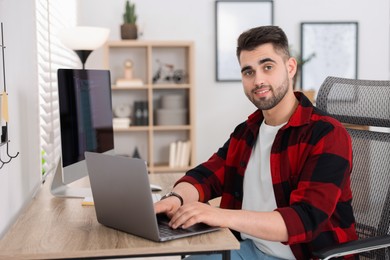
(60, 181)
(60, 189)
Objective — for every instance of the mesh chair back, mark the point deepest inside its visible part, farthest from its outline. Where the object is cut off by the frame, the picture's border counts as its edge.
(353, 101)
(365, 103)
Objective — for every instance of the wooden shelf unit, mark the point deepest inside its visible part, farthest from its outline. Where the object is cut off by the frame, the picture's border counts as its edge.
(144, 55)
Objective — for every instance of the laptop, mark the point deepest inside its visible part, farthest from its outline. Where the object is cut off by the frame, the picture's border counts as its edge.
(123, 200)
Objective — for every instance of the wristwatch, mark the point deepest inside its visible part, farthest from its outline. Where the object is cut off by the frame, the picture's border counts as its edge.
(170, 194)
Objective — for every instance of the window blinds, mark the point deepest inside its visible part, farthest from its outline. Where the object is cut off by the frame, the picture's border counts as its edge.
(51, 17)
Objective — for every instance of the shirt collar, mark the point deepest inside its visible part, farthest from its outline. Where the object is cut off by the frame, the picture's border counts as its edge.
(301, 115)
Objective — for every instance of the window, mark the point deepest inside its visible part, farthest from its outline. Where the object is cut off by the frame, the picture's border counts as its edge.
(51, 17)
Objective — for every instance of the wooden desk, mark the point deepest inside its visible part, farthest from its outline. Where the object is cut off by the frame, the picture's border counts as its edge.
(59, 228)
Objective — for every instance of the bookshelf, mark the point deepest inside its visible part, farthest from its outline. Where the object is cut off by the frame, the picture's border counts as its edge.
(163, 72)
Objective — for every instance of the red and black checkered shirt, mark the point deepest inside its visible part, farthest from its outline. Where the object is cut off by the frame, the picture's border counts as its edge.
(311, 162)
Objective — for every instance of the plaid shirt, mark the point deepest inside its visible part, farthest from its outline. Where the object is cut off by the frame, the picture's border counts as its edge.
(311, 162)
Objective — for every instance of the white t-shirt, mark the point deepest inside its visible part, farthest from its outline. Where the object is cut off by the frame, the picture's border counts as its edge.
(258, 189)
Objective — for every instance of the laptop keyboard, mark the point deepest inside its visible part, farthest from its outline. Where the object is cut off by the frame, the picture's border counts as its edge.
(167, 231)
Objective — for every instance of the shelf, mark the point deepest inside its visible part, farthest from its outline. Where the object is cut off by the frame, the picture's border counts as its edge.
(115, 88)
(171, 86)
(167, 169)
(155, 86)
(171, 127)
(158, 64)
(154, 128)
(132, 129)
(146, 43)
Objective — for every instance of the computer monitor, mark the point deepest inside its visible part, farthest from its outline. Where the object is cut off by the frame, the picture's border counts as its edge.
(86, 125)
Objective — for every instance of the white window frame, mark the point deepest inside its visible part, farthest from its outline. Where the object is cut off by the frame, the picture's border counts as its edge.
(51, 17)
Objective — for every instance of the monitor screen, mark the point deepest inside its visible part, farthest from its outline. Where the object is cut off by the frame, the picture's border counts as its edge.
(85, 115)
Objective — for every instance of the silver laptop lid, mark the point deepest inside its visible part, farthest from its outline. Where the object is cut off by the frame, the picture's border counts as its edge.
(121, 193)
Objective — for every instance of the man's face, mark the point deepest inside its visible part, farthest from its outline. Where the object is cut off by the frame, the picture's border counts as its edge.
(266, 75)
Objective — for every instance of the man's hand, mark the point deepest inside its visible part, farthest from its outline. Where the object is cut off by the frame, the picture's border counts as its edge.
(197, 212)
(264, 225)
(169, 206)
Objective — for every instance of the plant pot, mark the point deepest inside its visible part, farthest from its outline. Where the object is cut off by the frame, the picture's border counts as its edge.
(129, 31)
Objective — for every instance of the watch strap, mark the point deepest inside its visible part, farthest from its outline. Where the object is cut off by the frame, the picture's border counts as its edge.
(172, 193)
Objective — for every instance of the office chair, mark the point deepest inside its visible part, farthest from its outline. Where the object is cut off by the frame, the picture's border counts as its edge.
(365, 103)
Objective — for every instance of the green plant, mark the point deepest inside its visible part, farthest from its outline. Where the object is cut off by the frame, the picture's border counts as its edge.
(300, 62)
(43, 153)
(129, 16)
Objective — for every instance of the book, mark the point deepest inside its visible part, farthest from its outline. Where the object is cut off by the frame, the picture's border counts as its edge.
(172, 154)
(129, 83)
(141, 114)
(186, 152)
(145, 113)
(179, 154)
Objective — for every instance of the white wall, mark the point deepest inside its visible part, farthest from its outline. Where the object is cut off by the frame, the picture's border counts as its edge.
(163, 20)
(20, 178)
(221, 106)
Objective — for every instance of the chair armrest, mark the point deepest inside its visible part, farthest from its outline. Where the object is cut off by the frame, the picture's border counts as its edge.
(354, 247)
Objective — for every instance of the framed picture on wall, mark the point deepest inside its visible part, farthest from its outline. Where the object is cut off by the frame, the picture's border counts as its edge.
(231, 19)
(334, 50)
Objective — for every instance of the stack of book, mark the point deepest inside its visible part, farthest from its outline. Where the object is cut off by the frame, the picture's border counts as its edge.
(120, 123)
(179, 154)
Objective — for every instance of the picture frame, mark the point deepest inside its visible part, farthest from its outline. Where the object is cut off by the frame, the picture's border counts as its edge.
(231, 19)
(333, 47)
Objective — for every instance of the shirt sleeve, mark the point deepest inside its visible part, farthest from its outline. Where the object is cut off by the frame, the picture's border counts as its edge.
(323, 187)
(208, 177)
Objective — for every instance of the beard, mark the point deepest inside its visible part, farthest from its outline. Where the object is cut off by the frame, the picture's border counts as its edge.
(277, 95)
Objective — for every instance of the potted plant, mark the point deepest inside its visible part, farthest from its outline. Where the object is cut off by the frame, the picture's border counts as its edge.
(129, 27)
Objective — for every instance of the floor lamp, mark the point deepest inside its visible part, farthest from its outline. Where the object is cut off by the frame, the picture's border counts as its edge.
(83, 40)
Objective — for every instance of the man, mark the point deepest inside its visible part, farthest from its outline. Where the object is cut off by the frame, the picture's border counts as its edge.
(283, 175)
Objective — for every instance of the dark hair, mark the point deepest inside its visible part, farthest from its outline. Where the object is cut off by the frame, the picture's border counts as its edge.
(252, 38)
